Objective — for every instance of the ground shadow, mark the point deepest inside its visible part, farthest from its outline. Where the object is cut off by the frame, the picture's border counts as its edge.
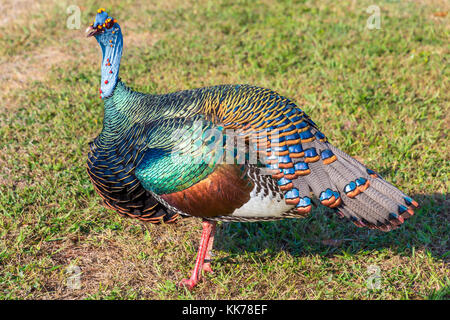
(325, 234)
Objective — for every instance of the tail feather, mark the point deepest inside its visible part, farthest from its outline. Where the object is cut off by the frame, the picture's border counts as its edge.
(318, 179)
(361, 214)
(367, 199)
(301, 160)
(352, 190)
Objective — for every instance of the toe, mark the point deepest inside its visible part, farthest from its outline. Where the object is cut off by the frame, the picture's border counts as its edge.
(187, 283)
(207, 267)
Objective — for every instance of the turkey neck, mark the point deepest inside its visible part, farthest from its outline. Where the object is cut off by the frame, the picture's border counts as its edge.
(117, 114)
(122, 110)
(111, 55)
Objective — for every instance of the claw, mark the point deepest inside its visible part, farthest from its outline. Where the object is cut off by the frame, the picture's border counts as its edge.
(207, 267)
(187, 283)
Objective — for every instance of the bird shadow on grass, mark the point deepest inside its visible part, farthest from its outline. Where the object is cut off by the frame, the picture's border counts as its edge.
(325, 234)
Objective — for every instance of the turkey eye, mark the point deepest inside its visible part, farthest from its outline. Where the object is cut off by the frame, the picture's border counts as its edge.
(109, 23)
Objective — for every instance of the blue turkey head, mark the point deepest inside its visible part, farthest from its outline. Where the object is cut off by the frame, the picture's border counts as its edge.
(104, 28)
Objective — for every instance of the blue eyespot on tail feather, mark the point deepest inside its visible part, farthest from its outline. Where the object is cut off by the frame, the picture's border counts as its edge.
(367, 203)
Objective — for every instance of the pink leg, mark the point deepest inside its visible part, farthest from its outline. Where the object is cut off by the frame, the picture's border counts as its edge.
(207, 262)
(208, 230)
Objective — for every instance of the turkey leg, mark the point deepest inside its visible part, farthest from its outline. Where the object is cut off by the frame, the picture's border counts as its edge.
(207, 261)
(206, 243)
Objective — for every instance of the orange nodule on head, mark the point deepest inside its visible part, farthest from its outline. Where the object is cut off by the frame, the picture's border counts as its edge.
(102, 22)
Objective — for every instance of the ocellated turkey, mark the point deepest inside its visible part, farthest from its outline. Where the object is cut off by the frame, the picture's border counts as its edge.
(133, 166)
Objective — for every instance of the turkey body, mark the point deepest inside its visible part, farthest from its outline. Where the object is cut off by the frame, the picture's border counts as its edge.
(133, 167)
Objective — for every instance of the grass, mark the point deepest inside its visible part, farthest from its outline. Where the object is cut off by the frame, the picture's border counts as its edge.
(381, 95)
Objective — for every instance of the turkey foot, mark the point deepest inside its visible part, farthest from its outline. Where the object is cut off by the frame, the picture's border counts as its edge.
(207, 267)
(204, 251)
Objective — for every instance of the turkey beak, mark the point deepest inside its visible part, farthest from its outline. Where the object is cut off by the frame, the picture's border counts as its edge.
(90, 31)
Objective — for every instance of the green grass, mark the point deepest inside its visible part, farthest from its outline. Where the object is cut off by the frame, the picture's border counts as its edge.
(381, 95)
